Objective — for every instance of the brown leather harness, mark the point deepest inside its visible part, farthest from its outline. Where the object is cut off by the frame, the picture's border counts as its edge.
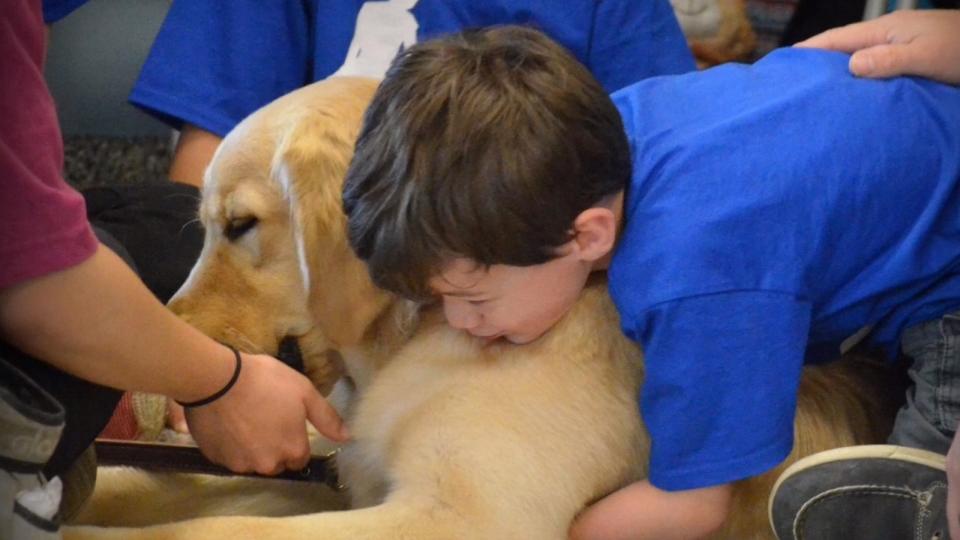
(188, 459)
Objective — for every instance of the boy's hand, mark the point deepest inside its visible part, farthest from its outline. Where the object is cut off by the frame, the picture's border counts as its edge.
(907, 42)
(260, 424)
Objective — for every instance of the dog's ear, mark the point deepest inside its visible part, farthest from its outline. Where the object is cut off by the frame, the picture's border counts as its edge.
(309, 165)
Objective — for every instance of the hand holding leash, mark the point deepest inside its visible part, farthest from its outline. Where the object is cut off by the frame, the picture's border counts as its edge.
(259, 424)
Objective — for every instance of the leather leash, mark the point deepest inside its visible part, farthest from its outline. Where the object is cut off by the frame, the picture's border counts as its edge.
(188, 459)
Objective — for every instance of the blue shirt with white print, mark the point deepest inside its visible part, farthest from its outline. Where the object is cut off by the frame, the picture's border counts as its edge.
(215, 62)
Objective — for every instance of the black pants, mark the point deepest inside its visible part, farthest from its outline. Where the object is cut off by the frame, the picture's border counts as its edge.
(152, 228)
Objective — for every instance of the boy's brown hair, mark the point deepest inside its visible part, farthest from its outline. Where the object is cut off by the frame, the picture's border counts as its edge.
(486, 145)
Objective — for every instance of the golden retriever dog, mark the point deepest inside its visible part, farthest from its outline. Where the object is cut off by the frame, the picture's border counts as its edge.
(452, 438)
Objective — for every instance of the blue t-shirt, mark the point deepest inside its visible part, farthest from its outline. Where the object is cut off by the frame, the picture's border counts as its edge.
(54, 10)
(213, 63)
(775, 210)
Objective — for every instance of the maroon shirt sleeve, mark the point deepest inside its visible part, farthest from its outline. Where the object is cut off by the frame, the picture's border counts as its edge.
(43, 224)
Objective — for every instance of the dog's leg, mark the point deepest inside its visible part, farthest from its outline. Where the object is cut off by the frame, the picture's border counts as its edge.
(397, 520)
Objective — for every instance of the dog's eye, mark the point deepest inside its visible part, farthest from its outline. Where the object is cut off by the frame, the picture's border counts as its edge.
(238, 227)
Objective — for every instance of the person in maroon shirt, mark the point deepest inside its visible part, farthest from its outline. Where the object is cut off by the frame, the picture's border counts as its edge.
(71, 310)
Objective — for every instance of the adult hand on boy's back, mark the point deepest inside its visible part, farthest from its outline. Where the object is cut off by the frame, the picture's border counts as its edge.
(260, 423)
(907, 42)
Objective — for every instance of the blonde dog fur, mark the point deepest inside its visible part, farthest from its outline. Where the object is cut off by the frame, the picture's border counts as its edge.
(451, 438)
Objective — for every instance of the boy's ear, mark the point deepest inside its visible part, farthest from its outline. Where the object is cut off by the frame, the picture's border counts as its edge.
(595, 233)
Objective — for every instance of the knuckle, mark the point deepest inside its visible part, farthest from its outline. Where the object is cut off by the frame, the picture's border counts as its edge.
(298, 453)
(236, 465)
(297, 463)
(266, 467)
(888, 60)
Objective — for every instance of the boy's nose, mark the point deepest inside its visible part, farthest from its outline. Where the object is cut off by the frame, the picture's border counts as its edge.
(460, 314)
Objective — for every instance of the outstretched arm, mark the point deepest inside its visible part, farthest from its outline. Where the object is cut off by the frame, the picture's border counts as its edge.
(97, 321)
(925, 43)
(194, 152)
(641, 511)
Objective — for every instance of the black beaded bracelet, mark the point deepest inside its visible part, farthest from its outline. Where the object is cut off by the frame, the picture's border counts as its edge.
(219, 394)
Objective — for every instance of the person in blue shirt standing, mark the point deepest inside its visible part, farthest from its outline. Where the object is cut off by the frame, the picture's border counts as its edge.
(762, 215)
(211, 65)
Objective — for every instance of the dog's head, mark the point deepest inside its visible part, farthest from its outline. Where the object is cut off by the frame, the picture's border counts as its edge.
(275, 261)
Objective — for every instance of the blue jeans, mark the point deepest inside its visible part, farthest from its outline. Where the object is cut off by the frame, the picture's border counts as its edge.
(929, 418)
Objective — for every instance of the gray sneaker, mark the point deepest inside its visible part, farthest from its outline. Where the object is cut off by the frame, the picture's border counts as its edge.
(862, 492)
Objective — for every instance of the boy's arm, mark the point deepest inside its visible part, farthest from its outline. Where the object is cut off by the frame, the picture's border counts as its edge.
(194, 151)
(907, 42)
(641, 511)
(97, 321)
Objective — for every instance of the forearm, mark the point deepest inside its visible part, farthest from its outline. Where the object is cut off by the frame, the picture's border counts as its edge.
(195, 149)
(99, 322)
(640, 511)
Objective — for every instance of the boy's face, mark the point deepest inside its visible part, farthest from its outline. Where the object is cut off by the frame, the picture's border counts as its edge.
(520, 303)
(517, 303)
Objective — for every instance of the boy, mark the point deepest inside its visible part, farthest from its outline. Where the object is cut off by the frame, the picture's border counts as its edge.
(772, 211)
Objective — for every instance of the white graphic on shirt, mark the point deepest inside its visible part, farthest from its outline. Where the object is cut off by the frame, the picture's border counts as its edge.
(384, 28)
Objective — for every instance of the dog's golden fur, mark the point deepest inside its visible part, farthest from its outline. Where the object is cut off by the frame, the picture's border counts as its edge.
(451, 439)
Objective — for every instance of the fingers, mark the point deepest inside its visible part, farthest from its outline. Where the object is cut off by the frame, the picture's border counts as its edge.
(892, 60)
(293, 457)
(850, 38)
(297, 464)
(297, 455)
(260, 425)
(175, 417)
(323, 417)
